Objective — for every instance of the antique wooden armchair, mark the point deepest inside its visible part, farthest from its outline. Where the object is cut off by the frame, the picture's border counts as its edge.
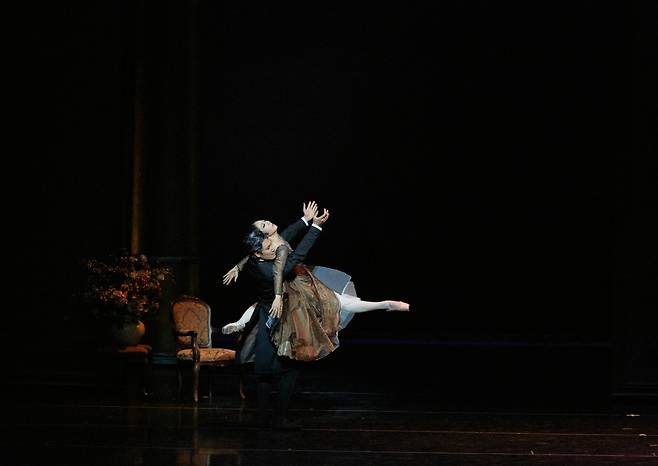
(190, 316)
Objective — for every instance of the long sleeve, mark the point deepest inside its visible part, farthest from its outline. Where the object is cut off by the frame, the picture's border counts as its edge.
(294, 230)
(240, 265)
(298, 255)
(278, 267)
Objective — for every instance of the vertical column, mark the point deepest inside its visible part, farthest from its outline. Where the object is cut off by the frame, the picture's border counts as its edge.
(166, 152)
(138, 133)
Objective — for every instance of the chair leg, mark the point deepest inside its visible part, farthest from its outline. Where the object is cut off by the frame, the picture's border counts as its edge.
(195, 382)
(210, 374)
(180, 381)
(242, 377)
(147, 376)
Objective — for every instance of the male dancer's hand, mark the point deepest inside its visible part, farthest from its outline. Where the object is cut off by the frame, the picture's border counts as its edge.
(319, 220)
(310, 210)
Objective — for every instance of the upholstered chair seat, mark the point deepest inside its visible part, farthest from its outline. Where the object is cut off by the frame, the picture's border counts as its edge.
(208, 355)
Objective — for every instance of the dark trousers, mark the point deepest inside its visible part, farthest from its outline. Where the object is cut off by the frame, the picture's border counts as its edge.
(285, 384)
(271, 370)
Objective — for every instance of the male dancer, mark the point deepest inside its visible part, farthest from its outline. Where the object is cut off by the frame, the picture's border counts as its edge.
(256, 345)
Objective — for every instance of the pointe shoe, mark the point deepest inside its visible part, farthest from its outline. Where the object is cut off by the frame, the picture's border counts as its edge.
(397, 306)
(233, 327)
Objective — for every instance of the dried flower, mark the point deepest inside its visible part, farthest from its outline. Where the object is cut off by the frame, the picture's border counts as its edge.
(125, 288)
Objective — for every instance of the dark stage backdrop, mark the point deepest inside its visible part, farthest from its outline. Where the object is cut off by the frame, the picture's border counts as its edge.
(490, 163)
(476, 156)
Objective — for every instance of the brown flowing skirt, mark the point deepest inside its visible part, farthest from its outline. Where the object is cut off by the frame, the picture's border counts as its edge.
(310, 318)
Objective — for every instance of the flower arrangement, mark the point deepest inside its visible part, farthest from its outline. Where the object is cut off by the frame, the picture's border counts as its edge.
(124, 289)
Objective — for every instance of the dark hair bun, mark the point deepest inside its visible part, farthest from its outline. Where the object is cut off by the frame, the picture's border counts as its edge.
(254, 239)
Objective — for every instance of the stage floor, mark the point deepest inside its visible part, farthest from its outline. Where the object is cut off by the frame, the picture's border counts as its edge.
(349, 416)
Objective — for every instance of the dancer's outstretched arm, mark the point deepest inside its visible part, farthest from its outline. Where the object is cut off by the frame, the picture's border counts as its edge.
(232, 275)
(277, 277)
(292, 232)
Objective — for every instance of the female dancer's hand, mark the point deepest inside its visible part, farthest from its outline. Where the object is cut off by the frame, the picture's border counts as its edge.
(309, 210)
(231, 275)
(277, 306)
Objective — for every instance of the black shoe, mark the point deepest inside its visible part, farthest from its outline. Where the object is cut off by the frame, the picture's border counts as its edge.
(285, 425)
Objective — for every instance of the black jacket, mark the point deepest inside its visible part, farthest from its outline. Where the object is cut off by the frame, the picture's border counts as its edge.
(255, 344)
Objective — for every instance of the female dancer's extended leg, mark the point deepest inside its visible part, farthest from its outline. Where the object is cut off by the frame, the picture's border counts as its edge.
(347, 303)
(353, 304)
(238, 326)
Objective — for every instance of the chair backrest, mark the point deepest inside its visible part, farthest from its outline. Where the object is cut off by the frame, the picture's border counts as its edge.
(192, 313)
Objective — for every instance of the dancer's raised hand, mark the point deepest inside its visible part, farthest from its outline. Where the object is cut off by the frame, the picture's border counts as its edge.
(310, 210)
(319, 220)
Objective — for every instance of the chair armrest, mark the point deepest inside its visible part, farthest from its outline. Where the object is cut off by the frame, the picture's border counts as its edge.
(196, 355)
